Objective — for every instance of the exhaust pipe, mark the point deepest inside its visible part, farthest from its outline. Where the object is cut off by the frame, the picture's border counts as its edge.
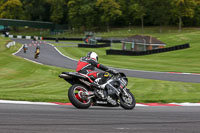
(65, 76)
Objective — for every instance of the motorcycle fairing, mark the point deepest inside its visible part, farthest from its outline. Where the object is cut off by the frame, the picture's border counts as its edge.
(70, 76)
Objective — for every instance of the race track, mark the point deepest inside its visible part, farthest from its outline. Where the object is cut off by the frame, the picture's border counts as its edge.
(50, 56)
(16, 118)
(26, 118)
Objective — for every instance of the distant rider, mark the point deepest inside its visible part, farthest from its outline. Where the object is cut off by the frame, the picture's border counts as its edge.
(37, 51)
(25, 47)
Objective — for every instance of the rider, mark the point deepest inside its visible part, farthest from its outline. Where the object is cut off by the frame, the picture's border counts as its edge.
(87, 65)
(37, 51)
(25, 47)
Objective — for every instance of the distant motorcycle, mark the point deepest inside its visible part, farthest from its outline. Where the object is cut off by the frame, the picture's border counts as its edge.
(115, 93)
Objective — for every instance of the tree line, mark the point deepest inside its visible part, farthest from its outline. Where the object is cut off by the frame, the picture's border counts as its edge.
(103, 14)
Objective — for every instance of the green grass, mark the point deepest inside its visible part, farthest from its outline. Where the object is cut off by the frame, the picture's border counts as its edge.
(24, 80)
(186, 60)
(148, 91)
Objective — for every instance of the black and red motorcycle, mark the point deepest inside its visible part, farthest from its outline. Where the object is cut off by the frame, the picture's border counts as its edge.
(82, 93)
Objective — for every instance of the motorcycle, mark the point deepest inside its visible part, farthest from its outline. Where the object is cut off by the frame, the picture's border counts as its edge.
(83, 95)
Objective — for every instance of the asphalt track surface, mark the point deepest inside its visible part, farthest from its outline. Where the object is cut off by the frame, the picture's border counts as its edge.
(16, 118)
(50, 56)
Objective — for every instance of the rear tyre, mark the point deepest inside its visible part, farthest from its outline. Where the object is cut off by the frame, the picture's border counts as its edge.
(127, 102)
(78, 96)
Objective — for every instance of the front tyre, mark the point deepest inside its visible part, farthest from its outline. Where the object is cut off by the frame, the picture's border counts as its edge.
(127, 102)
(78, 96)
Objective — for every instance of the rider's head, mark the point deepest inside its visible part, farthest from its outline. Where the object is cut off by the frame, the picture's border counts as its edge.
(38, 47)
(92, 55)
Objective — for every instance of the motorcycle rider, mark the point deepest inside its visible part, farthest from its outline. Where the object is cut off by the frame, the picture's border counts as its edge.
(87, 65)
(25, 47)
(37, 51)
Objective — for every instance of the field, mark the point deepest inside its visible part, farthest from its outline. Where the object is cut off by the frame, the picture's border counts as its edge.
(24, 80)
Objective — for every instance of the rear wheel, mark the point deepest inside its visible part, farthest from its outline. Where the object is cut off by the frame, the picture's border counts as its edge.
(78, 96)
(127, 102)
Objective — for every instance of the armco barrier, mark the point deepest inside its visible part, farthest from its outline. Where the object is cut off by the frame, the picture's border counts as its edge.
(108, 41)
(23, 37)
(154, 51)
(63, 39)
(94, 46)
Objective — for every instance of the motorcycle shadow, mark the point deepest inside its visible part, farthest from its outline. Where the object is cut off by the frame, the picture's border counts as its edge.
(105, 108)
(93, 108)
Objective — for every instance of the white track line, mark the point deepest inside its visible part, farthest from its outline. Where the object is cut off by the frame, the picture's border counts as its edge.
(18, 50)
(33, 61)
(139, 104)
(26, 102)
(187, 104)
(61, 53)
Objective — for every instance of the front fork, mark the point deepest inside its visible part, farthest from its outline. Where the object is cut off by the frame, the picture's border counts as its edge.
(125, 91)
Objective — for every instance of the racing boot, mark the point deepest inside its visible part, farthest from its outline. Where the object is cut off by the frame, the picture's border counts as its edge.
(96, 84)
(101, 82)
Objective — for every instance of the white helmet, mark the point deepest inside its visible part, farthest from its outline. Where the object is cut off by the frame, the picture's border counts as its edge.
(92, 55)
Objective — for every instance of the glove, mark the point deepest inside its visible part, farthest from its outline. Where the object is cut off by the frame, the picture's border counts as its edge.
(112, 71)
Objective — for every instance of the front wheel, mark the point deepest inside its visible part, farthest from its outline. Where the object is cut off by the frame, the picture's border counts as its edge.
(127, 102)
(78, 96)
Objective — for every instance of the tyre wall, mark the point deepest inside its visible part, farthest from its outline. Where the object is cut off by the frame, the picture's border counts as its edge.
(139, 53)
